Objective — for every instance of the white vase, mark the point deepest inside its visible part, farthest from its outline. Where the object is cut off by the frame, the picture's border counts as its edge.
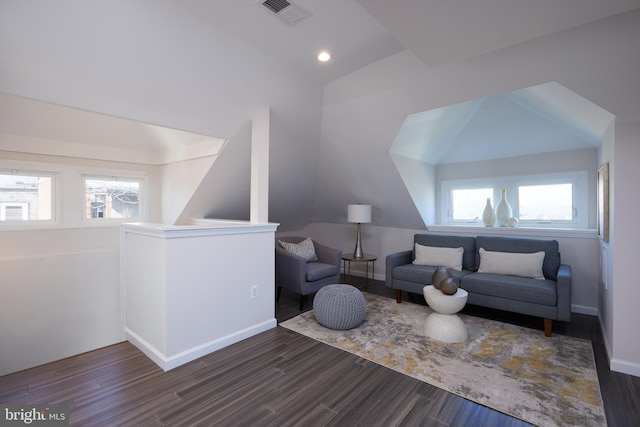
(503, 210)
(488, 215)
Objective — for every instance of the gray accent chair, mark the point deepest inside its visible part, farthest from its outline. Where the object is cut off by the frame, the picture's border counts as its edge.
(304, 278)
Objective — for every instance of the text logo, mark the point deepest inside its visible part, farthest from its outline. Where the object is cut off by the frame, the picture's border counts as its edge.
(34, 415)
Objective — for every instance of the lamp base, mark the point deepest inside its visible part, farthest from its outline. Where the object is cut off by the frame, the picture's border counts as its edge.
(358, 252)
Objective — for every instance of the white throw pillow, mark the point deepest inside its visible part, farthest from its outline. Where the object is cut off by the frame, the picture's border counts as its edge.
(513, 264)
(304, 249)
(439, 257)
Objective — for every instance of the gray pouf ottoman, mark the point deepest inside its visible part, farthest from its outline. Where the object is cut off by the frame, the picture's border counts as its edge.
(339, 307)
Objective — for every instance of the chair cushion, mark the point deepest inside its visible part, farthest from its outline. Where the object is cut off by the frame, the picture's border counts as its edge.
(534, 291)
(320, 270)
(304, 249)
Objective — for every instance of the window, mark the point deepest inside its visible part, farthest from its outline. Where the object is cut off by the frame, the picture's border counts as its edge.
(468, 203)
(549, 200)
(112, 198)
(546, 203)
(26, 197)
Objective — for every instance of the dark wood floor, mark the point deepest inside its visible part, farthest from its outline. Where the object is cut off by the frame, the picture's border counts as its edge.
(280, 378)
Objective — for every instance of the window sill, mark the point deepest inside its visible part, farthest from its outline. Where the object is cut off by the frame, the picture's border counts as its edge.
(46, 227)
(534, 232)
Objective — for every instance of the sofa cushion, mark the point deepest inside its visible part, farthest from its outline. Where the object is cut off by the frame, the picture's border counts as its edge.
(511, 263)
(442, 241)
(438, 257)
(304, 249)
(508, 244)
(320, 270)
(511, 287)
(422, 273)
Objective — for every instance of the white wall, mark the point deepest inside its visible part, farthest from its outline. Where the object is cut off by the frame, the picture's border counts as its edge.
(187, 290)
(421, 182)
(178, 184)
(153, 62)
(60, 284)
(607, 249)
(60, 294)
(624, 289)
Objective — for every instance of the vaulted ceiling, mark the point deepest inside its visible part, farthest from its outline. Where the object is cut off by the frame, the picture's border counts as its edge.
(360, 32)
(91, 135)
(539, 119)
(356, 32)
(205, 66)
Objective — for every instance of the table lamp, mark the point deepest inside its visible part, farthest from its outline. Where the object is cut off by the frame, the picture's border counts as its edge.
(359, 214)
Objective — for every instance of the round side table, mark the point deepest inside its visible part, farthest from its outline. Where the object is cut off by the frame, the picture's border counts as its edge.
(445, 325)
(347, 259)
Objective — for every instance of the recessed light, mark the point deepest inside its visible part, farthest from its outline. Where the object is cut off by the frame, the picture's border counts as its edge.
(324, 56)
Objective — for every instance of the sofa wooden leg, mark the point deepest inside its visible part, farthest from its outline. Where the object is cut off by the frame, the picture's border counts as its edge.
(398, 296)
(548, 323)
(303, 298)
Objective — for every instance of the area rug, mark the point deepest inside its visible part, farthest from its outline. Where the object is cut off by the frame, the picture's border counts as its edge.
(546, 381)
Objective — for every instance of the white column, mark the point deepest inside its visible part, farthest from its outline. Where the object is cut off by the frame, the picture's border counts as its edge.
(260, 166)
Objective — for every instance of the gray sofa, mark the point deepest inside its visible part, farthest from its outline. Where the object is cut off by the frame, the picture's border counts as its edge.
(549, 298)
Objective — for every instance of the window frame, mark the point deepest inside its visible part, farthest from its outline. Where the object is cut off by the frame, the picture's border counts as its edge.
(580, 195)
(140, 179)
(54, 201)
(472, 186)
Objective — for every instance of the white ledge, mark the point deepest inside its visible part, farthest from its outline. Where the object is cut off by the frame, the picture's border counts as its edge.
(203, 227)
(516, 231)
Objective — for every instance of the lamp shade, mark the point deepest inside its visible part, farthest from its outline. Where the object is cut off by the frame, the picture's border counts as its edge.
(359, 213)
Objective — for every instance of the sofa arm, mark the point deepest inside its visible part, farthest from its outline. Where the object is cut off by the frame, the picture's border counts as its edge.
(563, 285)
(327, 254)
(393, 260)
(291, 270)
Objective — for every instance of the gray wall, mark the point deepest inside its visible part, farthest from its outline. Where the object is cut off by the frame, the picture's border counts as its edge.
(364, 111)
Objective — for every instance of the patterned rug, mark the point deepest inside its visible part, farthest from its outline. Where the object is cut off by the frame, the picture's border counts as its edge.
(514, 370)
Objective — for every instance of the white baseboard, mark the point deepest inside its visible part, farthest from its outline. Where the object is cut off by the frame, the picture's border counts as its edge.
(617, 365)
(605, 338)
(169, 362)
(150, 351)
(625, 367)
(582, 309)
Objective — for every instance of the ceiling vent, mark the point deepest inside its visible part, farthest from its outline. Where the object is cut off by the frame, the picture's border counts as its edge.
(289, 13)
